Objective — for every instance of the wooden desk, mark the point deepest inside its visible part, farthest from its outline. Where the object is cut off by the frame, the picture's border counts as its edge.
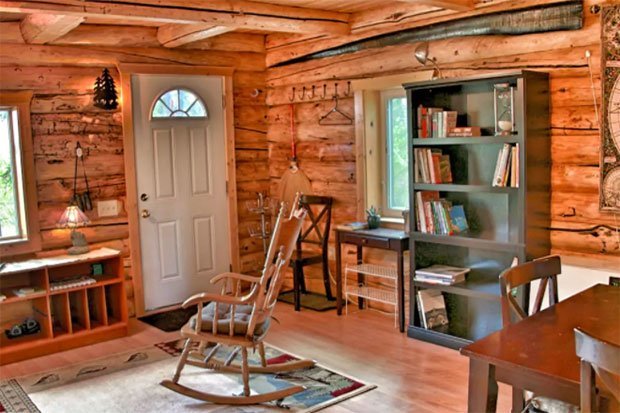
(538, 353)
(381, 238)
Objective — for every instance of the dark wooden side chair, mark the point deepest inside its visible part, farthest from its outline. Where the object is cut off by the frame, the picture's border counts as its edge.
(600, 373)
(546, 270)
(319, 213)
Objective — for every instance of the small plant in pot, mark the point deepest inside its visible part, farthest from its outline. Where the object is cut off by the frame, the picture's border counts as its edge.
(374, 219)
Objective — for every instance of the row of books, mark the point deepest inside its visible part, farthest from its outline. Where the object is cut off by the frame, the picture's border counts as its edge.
(441, 274)
(432, 166)
(438, 216)
(507, 166)
(432, 307)
(440, 123)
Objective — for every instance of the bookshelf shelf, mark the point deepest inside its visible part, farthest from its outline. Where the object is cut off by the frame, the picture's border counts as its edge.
(503, 224)
(69, 317)
(475, 140)
(464, 188)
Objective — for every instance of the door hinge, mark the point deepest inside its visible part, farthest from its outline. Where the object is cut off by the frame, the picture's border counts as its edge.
(223, 101)
(226, 186)
(230, 267)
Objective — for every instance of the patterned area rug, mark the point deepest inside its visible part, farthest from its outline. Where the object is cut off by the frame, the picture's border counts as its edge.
(129, 382)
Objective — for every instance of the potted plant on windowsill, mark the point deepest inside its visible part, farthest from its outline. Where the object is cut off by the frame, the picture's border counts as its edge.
(373, 217)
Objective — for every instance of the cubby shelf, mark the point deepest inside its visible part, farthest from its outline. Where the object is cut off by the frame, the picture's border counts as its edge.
(69, 317)
(504, 222)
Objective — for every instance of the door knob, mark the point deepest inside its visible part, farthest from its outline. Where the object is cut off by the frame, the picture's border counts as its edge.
(145, 213)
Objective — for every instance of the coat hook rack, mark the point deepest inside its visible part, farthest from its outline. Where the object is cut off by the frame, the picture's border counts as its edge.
(311, 93)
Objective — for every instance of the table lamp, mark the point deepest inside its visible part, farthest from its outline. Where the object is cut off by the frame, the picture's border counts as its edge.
(73, 217)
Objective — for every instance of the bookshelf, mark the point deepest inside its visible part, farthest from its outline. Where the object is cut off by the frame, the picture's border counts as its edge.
(68, 317)
(504, 222)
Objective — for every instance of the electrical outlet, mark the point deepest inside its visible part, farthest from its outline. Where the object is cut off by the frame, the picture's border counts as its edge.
(107, 208)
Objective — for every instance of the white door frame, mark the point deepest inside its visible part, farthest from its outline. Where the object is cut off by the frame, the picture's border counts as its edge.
(126, 71)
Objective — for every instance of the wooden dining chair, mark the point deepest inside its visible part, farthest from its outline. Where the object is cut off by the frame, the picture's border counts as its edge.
(240, 320)
(600, 373)
(319, 210)
(545, 269)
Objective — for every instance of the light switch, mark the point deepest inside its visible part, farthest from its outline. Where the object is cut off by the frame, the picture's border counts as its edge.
(107, 208)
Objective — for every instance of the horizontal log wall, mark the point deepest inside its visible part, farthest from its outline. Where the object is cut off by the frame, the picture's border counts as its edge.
(63, 114)
(327, 153)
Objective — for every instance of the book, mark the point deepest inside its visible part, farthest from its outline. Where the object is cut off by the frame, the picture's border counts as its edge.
(445, 170)
(439, 280)
(352, 226)
(513, 167)
(436, 158)
(432, 308)
(463, 131)
(501, 166)
(448, 122)
(441, 270)
(458, 218)
(26, 291)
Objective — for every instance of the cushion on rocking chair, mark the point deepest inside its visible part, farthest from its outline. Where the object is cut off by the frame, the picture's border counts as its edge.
(242, 319)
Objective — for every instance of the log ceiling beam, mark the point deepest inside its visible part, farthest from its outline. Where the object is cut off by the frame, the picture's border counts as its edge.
(458, 5)
(238, 14)
(175, 35)
(44, 28)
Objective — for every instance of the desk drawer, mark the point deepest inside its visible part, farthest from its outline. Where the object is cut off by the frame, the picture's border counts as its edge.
(374, 242)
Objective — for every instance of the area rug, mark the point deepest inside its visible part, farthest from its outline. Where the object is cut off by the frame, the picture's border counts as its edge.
(310, 300)
(171, 320)
(129, 382)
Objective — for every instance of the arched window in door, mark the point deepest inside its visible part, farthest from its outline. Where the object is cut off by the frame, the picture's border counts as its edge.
(178, 103)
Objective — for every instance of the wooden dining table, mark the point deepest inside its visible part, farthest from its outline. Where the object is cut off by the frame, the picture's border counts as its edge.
(538, 353)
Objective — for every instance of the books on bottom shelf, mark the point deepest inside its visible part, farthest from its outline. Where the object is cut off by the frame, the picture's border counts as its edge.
(507, 166)
(432, 308)
(441, 274)
(438, 216)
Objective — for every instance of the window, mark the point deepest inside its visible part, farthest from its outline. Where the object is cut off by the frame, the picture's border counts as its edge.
(18, 233)
(179, 103)
(396, 161)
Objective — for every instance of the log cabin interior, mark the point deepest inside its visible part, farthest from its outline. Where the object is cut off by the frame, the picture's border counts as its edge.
(414, 203)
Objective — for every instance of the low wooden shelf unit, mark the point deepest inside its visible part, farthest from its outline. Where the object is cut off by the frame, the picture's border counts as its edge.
(69, 317)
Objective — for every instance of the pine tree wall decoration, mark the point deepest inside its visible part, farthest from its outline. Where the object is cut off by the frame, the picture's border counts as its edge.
(105, 91)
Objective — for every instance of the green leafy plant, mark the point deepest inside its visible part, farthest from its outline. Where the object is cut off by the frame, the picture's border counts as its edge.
(372, 212)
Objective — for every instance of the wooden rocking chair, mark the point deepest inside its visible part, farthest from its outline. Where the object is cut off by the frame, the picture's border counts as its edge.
(241, 321)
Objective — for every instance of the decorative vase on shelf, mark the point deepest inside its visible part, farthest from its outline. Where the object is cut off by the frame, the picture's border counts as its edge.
(374, 219)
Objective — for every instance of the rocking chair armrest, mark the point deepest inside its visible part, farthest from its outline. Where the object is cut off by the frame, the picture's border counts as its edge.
(223, 299)
(237, 276)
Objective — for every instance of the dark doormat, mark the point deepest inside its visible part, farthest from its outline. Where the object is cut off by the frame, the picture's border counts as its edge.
(171, 320)
(312, 301)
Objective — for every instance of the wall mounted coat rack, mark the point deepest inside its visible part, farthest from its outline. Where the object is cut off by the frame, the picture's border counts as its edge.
(315, 92)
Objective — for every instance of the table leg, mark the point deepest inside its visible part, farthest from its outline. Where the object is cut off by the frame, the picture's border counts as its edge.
(338, 276)
(518, 401)
(482, 395)
(361, 278)
(401, 290)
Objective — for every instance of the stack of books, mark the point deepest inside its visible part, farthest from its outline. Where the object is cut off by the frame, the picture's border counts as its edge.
(432, 166)
(464, 132)
(507, 166)
(438, 216)
(432, 308)
(441, 274)
(435, 122)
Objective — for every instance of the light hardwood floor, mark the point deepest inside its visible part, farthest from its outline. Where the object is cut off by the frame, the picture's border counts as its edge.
(412, 376)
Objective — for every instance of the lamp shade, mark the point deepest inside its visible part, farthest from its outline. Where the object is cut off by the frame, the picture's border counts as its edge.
(73, 217)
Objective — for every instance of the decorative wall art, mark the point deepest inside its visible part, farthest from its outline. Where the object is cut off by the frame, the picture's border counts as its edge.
(610, 144)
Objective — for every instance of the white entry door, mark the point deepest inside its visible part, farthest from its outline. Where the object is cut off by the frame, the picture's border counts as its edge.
(181, 181)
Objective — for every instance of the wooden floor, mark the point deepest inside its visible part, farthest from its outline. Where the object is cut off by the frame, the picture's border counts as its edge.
(412, 376)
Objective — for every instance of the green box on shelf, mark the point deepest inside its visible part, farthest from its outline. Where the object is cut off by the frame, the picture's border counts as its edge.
(97, 269)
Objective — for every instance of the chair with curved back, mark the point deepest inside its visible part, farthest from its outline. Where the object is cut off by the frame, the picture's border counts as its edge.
(319, 210)
(545, 270)
(241, 320)
(600, 373)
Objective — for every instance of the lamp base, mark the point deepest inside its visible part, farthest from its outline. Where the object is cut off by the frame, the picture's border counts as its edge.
(77, 250)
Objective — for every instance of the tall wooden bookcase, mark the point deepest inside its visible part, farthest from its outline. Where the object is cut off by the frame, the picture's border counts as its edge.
(69, 317)
(504, 222)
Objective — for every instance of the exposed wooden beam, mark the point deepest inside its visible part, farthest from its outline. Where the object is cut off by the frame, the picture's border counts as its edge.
(44, 28)
(175, 35)
(238, 14)
(458, 5)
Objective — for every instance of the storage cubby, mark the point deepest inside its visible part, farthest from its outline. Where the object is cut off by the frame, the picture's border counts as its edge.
(72, 314)
(504, 222)
(61, 315)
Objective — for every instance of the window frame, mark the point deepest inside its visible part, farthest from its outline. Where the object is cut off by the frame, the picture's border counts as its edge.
(386, 95)
(178, 89)
(20, 101)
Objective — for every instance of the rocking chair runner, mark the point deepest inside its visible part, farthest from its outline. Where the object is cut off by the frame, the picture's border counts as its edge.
(241, 321)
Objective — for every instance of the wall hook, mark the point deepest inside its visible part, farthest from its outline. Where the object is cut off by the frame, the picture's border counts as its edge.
(303, 94)
(324, 91)
(313, 92)
(291, 99)
(348, 92)
(336, 89)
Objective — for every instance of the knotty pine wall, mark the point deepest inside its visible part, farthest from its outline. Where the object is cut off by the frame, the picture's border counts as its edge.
(327, 153)
(62, 114)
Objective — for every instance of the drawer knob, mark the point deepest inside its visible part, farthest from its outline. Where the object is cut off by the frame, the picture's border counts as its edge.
(365, 241)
